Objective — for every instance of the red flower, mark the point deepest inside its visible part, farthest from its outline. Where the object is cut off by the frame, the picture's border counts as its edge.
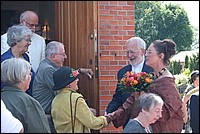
(75, 73)
(132, 82)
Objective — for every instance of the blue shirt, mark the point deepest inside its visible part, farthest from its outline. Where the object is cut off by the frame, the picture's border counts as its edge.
(7, 55)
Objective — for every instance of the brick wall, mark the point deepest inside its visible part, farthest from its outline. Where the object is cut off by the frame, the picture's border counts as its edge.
(115, 25)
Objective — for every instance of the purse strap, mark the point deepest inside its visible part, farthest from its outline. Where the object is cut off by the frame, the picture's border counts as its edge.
(73, 121)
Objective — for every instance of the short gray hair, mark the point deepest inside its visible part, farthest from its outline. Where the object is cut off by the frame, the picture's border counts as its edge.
(148, 100)
(17, 33)
(14, 70)
(52, 47)
(26, 14)
(140, 42)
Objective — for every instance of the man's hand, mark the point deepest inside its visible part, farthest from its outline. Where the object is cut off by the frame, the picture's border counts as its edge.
(86, 71)
(108, 118)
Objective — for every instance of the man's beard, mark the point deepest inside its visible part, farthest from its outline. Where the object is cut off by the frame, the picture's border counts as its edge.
(137, 61)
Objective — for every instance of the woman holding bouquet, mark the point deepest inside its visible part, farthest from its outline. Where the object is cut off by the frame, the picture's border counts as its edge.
(157, 56)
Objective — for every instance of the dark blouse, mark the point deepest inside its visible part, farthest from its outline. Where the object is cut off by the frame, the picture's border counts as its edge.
(133, 126)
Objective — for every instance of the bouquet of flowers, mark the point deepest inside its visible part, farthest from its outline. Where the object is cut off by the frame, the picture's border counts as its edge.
(132, 82)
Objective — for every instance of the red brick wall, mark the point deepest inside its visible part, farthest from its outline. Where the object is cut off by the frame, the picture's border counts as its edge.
(115, 25)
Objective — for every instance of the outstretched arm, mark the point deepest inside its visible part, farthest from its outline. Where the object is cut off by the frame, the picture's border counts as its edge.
(122, 115)
(116, 101)
(86, 71)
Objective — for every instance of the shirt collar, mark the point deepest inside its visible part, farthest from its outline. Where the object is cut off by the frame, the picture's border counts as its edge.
(138, 68)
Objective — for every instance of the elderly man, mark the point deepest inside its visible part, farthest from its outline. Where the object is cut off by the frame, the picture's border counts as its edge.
(136, 49)
(43, 82)
(36, 50)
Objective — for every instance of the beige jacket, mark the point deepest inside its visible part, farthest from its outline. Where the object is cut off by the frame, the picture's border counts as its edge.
(84, 118)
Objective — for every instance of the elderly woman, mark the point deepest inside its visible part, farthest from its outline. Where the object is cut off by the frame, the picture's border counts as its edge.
(19, 39)
(69, 110)
(149, 106)
(16, 74)
(157, 57)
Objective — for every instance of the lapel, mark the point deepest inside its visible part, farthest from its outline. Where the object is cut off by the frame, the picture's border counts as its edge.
(146, 68)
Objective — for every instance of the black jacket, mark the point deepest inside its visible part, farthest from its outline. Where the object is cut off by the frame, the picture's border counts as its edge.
(194, 112)
(119, 98)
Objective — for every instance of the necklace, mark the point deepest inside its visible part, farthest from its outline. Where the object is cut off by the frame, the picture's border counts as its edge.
(146, 129)
(160, 72)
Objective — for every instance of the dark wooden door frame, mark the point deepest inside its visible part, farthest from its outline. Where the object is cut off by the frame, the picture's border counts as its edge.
(76, 27)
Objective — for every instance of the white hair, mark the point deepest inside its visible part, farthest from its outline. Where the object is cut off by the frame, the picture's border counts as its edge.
(14, 70)
(140, 42)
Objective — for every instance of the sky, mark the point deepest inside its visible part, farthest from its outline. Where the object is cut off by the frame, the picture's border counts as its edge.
(192, 8)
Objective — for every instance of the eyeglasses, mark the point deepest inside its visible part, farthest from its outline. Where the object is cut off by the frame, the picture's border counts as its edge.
(63, 54)
(31, 25)
(28, 39)
(151, 53)
(158, 111)
(30, 74)
(132, 52)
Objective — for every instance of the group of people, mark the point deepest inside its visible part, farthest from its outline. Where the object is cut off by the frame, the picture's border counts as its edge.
(157, 56)
(42, 94)
(27, 74)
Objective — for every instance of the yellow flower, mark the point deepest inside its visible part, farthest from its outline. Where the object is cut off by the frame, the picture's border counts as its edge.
(148, 80)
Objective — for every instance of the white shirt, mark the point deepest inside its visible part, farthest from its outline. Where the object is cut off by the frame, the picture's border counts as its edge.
(138, 68)
(9, 124)
(36, 51)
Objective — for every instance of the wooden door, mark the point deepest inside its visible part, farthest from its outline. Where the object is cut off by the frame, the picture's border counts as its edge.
(76, 27)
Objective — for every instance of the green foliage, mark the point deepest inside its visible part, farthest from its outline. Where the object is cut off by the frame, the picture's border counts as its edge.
(195, 44)
(154, 20)
(181, 79)
(186, 61)
(187, 72)
(175, 67)
(145, 20)
(194, 62)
